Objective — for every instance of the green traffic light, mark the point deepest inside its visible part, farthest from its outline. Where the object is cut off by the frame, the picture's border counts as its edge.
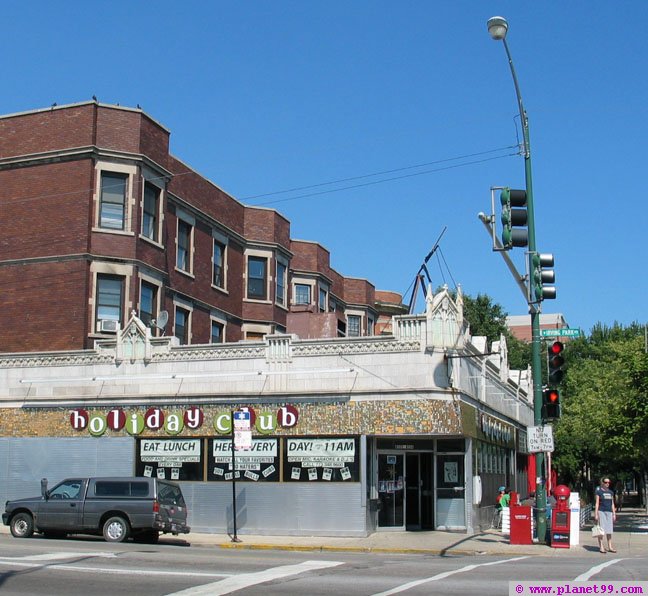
(514, 218)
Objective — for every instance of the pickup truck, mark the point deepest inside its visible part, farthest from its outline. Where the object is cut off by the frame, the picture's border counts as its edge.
(118, 508)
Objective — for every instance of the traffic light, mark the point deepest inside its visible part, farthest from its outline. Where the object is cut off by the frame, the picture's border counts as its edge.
(514, 218)
(550, 404)
(555, 362)
(541, 274)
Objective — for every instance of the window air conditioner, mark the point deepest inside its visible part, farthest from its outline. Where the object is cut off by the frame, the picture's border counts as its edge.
(108, 326)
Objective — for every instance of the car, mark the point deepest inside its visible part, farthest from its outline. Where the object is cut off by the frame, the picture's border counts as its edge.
(115, 507)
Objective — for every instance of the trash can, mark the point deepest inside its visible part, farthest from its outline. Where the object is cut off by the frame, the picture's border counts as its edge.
(521, 530)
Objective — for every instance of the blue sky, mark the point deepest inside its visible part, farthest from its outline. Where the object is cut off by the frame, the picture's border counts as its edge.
(261, 97)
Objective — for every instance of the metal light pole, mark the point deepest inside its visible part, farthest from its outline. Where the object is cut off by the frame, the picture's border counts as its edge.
(498, 27)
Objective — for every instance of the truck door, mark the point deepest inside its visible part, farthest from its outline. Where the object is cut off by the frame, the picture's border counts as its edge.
(63, 507)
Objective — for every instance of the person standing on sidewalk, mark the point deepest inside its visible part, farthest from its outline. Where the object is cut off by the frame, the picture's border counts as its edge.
(605, 513)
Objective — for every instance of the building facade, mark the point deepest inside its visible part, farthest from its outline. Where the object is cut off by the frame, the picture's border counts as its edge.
(520, 325)
(98, 214)
(347, 436)
(153, 325)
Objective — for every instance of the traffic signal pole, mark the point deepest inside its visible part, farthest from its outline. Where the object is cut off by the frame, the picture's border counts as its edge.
(534, 306)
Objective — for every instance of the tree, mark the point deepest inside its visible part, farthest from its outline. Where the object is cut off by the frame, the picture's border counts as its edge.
(489, 319)
(604, 423)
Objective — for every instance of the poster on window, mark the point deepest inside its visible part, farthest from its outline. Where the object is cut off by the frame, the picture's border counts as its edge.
(259, 463)
(450, 472)
(170, 459)
(333, 459)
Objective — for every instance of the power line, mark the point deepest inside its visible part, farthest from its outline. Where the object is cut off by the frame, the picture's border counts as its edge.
(392, 171)
(373, 183)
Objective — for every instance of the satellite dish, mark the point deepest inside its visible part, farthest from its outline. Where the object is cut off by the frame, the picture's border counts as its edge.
(162, 320)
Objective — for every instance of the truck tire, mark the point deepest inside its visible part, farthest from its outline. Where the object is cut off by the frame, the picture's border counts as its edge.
(116, 529)
(22, 525)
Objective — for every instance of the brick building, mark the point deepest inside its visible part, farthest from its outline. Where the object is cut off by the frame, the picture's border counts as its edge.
(99, 219)
(520, 325)
(363, 418)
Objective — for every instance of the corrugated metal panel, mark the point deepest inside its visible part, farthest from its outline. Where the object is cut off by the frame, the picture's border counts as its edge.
(273, 508)
(24, 461)
(270, 508)
(451, 514)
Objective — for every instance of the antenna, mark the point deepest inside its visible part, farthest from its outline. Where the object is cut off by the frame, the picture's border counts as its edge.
(161, 321)
(419, 281)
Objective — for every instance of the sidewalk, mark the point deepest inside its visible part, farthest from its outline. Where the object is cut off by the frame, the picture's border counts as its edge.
(630, 539)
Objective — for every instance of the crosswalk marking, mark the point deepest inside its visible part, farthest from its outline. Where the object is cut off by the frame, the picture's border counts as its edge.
(245, 580)
(443, 575)
(583, 577)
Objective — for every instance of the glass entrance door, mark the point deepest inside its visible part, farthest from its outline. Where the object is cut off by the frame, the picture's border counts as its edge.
(450, 489)
(391, 490)
(419, 493)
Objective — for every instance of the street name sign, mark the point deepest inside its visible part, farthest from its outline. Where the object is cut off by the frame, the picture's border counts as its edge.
(540, 439)
(566, 332)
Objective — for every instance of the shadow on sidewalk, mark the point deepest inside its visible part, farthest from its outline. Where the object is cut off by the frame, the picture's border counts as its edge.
(484, 537)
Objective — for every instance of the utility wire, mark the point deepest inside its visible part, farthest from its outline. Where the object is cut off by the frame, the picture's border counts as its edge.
(298, 188)
(350, 179)
(373, 183)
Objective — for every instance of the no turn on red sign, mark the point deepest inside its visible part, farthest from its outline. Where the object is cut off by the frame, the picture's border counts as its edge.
(540, 439)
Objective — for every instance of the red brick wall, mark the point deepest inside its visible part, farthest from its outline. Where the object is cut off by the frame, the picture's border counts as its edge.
(266, 225)
(45, 209)
(43, 306)
(46, 130)
(358, 291)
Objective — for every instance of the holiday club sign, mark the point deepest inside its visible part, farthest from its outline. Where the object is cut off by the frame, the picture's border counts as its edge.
(173, 423)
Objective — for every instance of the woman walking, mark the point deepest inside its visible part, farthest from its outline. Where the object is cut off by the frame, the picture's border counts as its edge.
(605, 513)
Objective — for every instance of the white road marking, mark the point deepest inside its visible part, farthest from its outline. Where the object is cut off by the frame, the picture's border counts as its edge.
(583, 577)
(108, 570)
(443, 575)
(245, 580)
(59, 556)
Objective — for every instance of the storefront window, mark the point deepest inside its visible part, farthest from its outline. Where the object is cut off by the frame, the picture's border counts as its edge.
(259, 464)
(321, 459)
(170, 459)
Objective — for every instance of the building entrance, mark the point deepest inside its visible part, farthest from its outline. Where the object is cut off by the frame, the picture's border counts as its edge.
(406, 490)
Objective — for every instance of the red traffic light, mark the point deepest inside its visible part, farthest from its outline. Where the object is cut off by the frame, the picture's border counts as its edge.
(552, 396)
(555, 362)
(556, 347)
(550, 404)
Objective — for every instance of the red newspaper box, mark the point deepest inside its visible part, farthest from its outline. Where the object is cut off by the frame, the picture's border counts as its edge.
(560, 518)
(521, 532)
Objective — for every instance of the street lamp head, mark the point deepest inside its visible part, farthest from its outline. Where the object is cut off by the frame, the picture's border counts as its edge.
(497, 27)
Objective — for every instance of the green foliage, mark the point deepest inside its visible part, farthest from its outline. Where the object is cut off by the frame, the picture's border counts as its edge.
(489, 319)
(604, 423)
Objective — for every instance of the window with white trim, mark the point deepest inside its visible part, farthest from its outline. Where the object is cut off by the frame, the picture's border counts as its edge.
(148, 302)
(218, 264)
(282, 276)
(354, 325)
(109, 299)
(257, 277)
(112, 200)
(302, 294)
(217, 332)
(181, 326)
(184, 246)
(151, 212)
(323, 299)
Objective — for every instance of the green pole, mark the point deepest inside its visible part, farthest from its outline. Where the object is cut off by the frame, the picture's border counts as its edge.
(534, 308)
